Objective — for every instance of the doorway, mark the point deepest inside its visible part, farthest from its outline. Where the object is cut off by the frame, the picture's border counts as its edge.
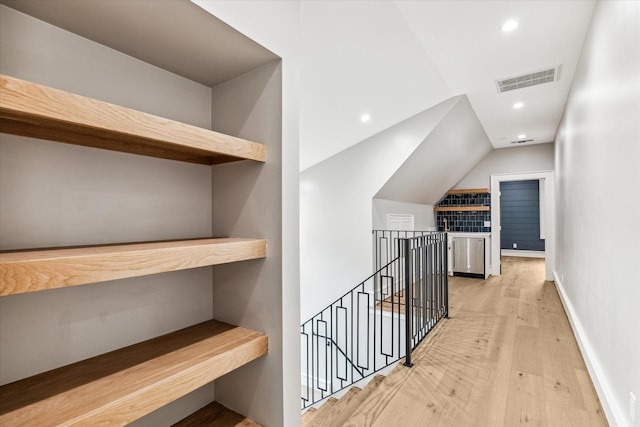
(521, 231)
(547, 216)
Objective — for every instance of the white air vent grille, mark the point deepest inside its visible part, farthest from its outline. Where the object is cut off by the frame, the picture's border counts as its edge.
(526, 80)
(521, 141)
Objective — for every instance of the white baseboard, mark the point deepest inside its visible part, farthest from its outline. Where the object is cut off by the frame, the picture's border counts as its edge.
(523, 254)
(612, 410)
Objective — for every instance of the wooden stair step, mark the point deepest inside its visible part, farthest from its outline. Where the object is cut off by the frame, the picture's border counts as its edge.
(119, 387)
(380, 396)
(37, 111)
(356, 401)
(308, 416)
(42, 269)
(216, 415)
(372, 385)
(325, 409)
(340, 407)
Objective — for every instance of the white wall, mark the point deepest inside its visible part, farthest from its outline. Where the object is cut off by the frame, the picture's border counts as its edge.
(597, 182)
(336, 213)
(415, 161)
(274, 24)
(532, 158)
(55, 194)
(423, 214)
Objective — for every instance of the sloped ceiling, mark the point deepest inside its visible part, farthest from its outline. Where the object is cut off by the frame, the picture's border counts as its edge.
(453, 148)
(335, 204)
(392, 59)
(359, 57)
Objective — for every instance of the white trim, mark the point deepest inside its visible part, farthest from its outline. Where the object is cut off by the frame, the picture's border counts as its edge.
(613, 412)
(542, 208)
(522, 254)
(549, 217)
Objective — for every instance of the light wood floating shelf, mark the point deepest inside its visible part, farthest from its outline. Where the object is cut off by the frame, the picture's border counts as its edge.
(119, 387)
(33, 110)
(214, 414)
(460, 208)
(468, 191)
(38, 270)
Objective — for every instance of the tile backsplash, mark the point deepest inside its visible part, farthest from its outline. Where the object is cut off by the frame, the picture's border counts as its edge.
(465, 221)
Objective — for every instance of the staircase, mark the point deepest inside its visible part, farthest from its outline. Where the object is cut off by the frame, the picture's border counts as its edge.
(375, 324)
(336, 412)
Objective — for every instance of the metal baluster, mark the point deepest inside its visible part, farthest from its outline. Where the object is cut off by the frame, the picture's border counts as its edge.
(408, 306)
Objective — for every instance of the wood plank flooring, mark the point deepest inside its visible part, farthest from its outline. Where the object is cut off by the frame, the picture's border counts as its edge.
(506, 357)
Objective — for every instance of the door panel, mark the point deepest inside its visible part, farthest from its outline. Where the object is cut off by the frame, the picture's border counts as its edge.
(460, 254)
(476, 256)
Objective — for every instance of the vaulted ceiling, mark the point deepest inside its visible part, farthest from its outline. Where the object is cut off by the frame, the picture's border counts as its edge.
(391, 59)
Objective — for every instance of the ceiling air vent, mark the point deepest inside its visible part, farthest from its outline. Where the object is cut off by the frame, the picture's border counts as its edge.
(521, 141)
(526, 80)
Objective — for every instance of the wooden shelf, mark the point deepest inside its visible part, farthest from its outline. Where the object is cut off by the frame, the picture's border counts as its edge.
(216, 415)
(460, 208)
(37, 111)
(119, 387)
(38, 270)
(468, 191)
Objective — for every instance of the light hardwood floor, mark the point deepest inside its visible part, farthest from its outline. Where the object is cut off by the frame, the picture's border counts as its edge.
(506, 357)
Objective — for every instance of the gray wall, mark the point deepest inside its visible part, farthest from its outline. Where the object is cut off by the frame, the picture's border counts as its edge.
(275, 25)
(247, 202)
(56, 194)
(597, 182)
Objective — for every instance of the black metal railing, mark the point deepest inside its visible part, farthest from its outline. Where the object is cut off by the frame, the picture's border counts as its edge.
(424, 267)
(385, 244)
(370, 327)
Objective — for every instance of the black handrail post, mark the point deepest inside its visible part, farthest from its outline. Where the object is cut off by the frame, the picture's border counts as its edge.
(408, 306)
(445, 251)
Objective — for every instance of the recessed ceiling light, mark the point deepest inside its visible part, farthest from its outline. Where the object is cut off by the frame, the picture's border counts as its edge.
(522, 136)
(518, 105)
(365, 118)
(509, 25)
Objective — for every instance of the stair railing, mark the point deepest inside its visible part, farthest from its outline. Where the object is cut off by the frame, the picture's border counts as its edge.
(424, 266)
(370, 327)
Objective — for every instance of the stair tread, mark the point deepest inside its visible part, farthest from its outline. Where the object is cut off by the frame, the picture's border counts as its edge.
(308, 416)
(37, 111)
(356, 402)
(326, 408)
(380, 396)
(342, 406)
(118, 387)
(42, 269)
(216, 415)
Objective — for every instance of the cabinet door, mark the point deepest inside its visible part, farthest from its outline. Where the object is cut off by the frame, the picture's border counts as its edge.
(476, 256)
(460, 254)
